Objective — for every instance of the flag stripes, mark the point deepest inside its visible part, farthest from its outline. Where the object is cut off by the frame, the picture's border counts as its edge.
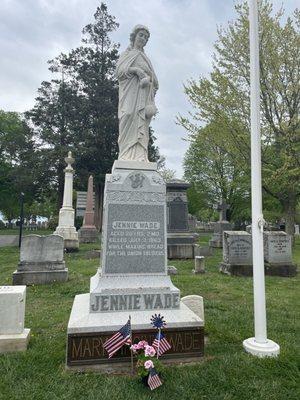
(120, 338)
(153, 379)
(161, 344)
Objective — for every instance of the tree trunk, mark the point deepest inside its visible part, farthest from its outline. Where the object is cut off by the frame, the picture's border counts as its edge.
(99, 191)
(289, 209)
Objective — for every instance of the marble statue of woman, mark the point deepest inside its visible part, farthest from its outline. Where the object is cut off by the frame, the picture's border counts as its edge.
(137, 87)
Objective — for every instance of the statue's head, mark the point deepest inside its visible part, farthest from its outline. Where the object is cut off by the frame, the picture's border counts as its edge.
(140, 34)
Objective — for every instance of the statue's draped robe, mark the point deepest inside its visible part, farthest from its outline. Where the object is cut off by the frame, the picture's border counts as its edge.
(134, 103)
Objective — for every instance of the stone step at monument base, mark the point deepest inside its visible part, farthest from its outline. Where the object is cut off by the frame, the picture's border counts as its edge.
(14, 342)
(284, 270)
(88, 235)
(39, 277)
(181, 245)
(237, 270)
(70, 235)
(87, 333)
(134, 292)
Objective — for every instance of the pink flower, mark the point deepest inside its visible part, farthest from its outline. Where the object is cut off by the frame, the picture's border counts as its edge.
(149, 351)
(134, 348)
(142, 344)
(148, 364)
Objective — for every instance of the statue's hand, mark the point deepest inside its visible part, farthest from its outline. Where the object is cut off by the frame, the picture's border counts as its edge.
(145, 82)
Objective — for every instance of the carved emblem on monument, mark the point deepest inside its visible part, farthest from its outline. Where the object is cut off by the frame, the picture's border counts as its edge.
(137, 180)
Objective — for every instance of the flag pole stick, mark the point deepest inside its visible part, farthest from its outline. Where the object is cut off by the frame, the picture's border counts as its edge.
(259, 345)
(131, 352)
(159, 329)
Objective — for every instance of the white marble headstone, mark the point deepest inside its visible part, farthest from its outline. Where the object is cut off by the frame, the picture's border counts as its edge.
(12, 309)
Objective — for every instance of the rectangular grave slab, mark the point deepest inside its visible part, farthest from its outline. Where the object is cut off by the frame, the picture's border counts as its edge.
(237, 248)
(278, 254)
(41, 261)
(13, 335)
(277, 247)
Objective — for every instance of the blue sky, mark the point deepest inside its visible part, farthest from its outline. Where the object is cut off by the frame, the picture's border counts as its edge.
(180, 47)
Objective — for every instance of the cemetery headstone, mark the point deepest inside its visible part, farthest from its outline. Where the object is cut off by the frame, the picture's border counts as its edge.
(194, 303)
(237, 253)
(297, 232)
(41, 261)
(13, 335)
(181, 241)
(221, 226)
(133, 278)
(88, 232)
(278, 254)
(66, 227)
(199, 265)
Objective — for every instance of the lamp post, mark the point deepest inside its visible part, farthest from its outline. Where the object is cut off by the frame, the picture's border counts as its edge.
(21, 218)
(259, 345)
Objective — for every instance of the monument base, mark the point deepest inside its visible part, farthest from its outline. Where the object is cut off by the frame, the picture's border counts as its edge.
(284, 270)
(236, 270)
(181, 245)
(88, 235)
(39, 277)
(15, 342)
(70, 236)
(88, 331)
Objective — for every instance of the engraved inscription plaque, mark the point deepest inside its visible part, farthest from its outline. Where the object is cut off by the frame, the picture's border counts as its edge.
(88, 348)
(135, 239)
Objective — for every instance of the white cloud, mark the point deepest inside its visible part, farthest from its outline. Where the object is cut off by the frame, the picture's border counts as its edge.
(180, 47)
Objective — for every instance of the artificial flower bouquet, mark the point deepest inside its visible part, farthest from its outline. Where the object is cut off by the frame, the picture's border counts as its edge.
(146, 358)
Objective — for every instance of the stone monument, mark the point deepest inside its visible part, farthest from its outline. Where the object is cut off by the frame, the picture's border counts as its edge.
(133, 276)
(88, 232)
(66, 226)
(13, 335)
(181, 241)
(41, 261)
(221, 226)
(237, 253)
(278, 254)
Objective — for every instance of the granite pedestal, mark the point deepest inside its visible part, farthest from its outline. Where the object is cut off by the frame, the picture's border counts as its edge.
(181, 241)
(133, 278)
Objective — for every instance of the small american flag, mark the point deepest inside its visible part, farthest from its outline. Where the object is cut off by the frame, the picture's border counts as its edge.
(153, 379)
(123, 336)
(161, 344)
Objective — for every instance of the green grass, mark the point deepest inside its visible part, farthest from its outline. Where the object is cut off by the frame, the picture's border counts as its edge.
(225, 373)
(25, 232)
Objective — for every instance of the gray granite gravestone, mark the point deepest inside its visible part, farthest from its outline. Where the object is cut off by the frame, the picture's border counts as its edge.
(41, 261)
(133, 277)
(237, 253)
(278, 254)
(181, 241)
(220, 226)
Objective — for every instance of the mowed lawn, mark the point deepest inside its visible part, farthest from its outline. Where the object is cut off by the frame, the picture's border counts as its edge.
(226, 372)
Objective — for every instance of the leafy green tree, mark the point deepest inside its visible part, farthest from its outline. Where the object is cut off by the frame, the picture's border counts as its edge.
(19, 164)
(215, 175)
(223, 98)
